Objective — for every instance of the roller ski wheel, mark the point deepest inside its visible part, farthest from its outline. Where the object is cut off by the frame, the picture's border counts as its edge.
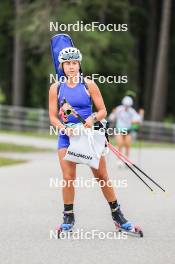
(129, 229)
(67, 225)
(122, 225)
(63, 229)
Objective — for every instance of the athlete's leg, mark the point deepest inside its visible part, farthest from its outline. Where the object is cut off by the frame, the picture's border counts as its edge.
(120, 145)
(102, 175)
(120, 142)
(108, 191)
(128, 141)
(69, 175)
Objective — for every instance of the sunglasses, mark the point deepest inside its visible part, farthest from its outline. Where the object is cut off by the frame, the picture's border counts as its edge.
(68, 112)
(71, 55)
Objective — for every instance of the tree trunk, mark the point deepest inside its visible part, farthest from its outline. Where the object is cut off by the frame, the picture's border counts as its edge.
(150, 56)
(18, 61)
(102, 12)
(160, 87)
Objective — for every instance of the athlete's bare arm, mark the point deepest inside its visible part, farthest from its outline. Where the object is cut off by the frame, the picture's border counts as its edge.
(53, 107)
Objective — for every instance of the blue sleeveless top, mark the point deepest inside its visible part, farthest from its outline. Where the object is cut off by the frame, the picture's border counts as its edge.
(78, 98)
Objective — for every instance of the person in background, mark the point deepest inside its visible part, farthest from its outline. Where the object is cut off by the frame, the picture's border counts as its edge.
(125, 117)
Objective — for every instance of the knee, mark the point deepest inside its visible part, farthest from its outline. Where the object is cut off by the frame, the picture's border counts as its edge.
(102, 177)
(68, 177)
(119, 143)
(127, 144)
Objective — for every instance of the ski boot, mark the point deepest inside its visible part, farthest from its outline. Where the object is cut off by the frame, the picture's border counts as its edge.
(68, 223)
(122, 225)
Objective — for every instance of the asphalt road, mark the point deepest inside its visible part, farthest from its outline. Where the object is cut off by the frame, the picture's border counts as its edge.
(31, 207)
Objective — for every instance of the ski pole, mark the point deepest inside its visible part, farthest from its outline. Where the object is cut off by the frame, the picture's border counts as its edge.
(130, 162)
(111, 147)
(115, 150)
(72, 111)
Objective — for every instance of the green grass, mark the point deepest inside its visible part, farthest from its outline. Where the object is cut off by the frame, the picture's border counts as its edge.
(146, 144)
(29, 134)
(7, 161)
(10, 147)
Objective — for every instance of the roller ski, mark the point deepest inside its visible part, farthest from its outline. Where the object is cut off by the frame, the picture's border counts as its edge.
(67, 225)
(122, 225)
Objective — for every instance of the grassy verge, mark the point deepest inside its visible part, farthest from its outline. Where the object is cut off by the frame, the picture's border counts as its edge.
(10, 147)
(29, 134)
(7, 161)
(146, 144)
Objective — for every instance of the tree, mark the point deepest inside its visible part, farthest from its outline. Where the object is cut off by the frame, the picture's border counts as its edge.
(150, 55)
(18, 60)
(160, 84)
